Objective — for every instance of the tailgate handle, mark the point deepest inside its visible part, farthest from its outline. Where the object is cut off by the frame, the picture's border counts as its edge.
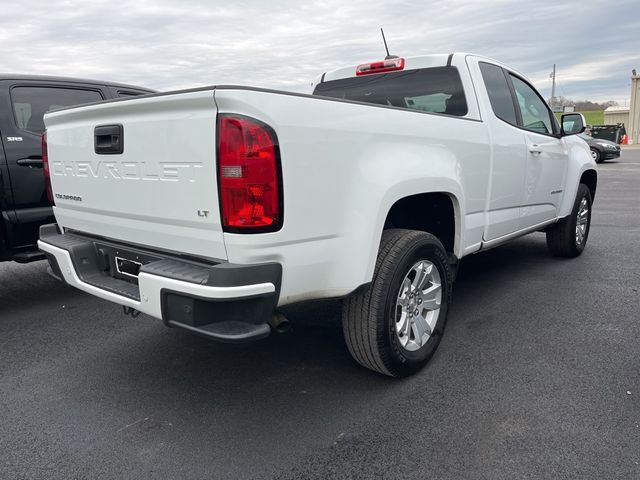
(109, 139)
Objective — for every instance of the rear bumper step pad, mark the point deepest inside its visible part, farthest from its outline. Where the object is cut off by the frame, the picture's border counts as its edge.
(223, 301)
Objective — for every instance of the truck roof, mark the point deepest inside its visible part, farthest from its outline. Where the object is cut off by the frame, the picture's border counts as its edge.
(411, 63)
(50, 78)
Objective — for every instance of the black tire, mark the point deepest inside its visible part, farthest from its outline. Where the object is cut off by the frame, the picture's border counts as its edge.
(561, 237)
(597, 156)
(368, 318)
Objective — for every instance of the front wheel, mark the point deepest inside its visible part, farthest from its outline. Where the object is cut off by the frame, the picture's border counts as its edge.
(396, 325)
(596, 155)
(568, 237)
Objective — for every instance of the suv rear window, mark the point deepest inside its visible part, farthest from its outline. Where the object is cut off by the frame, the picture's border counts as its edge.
(31, 103)
(434, 90)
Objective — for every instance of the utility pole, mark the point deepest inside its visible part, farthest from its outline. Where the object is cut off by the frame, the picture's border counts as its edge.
(553, 86)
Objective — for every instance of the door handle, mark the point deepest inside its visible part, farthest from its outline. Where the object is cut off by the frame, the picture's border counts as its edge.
(31, 162)
(535, 149)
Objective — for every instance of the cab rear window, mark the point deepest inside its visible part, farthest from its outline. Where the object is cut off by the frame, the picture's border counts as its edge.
(434, 90)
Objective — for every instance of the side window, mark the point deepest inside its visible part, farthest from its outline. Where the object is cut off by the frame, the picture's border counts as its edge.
(535, 114)
(499, 92)
(31, 103)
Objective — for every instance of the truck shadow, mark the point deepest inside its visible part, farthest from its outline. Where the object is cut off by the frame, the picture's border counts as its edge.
(513, 258)
(30, 287)
(285, 372)
(142, 385)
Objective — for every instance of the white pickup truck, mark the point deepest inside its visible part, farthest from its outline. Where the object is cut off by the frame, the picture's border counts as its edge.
(212, 208)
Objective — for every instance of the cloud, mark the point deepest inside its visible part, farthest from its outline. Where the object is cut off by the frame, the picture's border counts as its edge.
(286, 44)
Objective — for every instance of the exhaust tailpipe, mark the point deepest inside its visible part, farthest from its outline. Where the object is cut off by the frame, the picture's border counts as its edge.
(279, 323)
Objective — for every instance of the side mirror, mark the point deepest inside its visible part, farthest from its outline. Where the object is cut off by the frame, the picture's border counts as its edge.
(572, 124)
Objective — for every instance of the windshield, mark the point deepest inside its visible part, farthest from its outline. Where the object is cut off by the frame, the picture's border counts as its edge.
(434, 90)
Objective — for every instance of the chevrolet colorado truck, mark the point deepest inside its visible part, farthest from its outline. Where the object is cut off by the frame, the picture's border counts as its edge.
(24, 206)
(212, 208)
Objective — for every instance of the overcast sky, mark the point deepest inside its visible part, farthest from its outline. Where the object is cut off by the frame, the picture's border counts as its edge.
(286, 44)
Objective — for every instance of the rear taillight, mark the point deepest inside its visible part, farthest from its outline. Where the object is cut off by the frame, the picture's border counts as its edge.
(390, 65)
(249, 175)
(45, 169)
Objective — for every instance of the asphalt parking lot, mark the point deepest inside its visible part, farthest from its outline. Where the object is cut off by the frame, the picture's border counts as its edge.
(538, 376)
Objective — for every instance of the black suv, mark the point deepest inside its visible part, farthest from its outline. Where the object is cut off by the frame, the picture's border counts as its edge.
(23, 200)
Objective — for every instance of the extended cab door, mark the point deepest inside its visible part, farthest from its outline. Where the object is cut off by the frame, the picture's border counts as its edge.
(509, 156)
(26, 102)
(547, 156)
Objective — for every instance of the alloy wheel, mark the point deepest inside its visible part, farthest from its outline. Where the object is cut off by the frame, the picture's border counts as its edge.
(418, 305)
(582, 221)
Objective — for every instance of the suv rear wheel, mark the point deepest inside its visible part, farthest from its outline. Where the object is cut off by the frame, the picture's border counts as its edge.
(395, 326)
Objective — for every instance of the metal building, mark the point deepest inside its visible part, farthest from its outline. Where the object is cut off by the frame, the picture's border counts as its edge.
(615, 115)
(633, 127)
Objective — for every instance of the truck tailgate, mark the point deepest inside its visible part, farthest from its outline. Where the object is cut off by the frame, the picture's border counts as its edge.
(160, 191)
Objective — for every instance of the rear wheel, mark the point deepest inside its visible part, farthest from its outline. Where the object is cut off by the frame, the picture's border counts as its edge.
(396, 325)
(568, 237)
(596, 155)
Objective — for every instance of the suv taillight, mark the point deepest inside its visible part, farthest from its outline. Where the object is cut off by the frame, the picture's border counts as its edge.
(249, 175)
(45, 169)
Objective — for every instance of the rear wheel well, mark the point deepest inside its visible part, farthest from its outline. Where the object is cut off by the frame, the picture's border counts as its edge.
(427, 212)
(590, 179)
